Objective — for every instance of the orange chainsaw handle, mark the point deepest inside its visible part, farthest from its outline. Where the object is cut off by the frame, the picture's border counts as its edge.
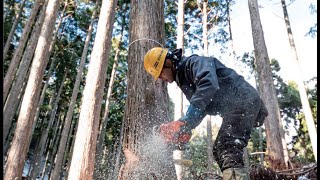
(171, 132)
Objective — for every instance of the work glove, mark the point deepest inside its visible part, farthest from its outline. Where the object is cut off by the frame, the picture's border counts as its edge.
(175, 132)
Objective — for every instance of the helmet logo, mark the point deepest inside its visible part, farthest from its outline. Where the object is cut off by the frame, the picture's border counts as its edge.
(157, 62)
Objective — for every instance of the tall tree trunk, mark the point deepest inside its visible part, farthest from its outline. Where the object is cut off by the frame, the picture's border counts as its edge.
(118, 155)
(301, 86)
(49, 153)
(13, 29)
(68, 152)
(205, 27)
(261, 147)
(210, 145)
(52, 64)
(103, 128)
(82, 164)
(13, 99)
(205, 52)
(43, 91)
(147, 100)
(56, 140)
(232, 50)
(104, 120)
(273, 123)
(20, 143)
(11, 128)
(44, 137)
(178, 100)
(15, 61)
(75, 91)
(72, 146)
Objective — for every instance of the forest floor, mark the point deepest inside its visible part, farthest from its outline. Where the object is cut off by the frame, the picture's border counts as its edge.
(307, 172)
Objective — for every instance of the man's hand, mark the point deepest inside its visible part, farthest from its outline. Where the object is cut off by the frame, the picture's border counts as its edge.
(175, 132)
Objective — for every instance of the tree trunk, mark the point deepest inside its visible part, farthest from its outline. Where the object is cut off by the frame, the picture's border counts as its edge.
(45, 132)
(82, 164)
(72, 146)
(20, 143)
(56, 142)
(43, 91)
(205, 27)
(13, 29)
(104, 120)
(261, 147)
(178, 100)
(75, 91)
(11, 128)
(50, 152)
(205, 52)
(52, 64)
(232, 50)
(267, 90)
(118, 155)
(68, 152)
(301, 86)
(15, 61)
(13, 99)
(210, 145)
(147, 100)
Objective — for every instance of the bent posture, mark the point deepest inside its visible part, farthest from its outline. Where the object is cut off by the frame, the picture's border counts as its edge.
(213, 89)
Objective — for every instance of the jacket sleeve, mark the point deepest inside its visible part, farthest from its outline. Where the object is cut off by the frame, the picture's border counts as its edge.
(202, 72)
(192, 118)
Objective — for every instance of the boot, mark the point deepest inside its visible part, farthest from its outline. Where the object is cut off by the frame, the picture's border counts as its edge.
(235, 174)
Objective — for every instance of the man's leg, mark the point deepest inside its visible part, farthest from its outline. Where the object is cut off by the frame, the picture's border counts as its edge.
(233, 136)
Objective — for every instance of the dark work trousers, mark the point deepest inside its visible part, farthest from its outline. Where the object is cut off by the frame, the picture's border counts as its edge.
(234, 133)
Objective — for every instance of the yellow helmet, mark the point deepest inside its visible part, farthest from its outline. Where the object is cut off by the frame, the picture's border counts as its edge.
(154, 60)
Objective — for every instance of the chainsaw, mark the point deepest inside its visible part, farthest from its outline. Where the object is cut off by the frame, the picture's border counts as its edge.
(169, 131)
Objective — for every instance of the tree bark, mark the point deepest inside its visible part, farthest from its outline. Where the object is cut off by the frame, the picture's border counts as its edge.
(205, 27)
(273, 123)
(104, 120)
(301, 86)
(68, 152)
(15, 61)
(178, 100)
(11, 128)
(75, 91)
(118, 155)
(45, 132)
(13, 29)
(261, 147)
(147, 101)
(83, 159)
(56, 142)
(20, 143)
(232, 50)
(205, 52)
(13, 99)
(52, 64)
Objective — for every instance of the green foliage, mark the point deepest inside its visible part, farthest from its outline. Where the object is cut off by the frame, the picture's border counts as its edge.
(313, 30)
(254, 145)
(302, 149)
(290, 111)
(217, 22)
(197, 152)
(170, 14)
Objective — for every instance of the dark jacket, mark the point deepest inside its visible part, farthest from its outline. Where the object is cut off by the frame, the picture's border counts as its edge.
(210, 86)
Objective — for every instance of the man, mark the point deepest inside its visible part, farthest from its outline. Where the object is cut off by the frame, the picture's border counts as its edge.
(213, 89)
